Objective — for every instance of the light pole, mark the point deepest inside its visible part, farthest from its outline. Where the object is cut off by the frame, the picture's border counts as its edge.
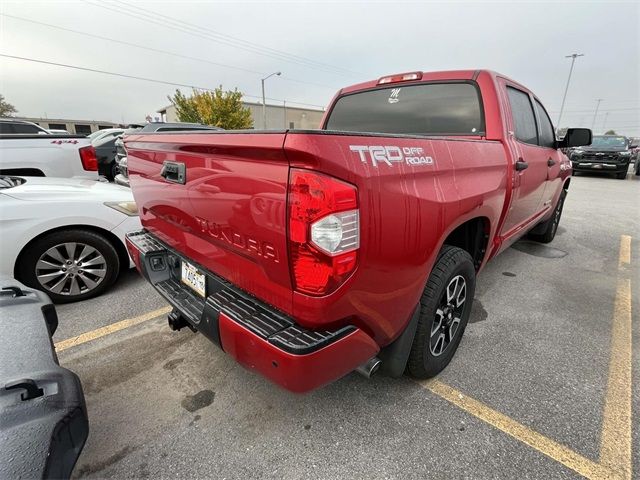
(593, 124)
(264, 105)
(604, 124)
(573, 57)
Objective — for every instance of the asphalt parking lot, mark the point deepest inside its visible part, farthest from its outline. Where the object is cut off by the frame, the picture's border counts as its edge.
(540, 386)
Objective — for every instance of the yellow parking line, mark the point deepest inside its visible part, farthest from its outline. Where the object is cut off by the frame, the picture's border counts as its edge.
(109, 329)
(615, 443)
(625, 251)
(616, 438)
(524, 434)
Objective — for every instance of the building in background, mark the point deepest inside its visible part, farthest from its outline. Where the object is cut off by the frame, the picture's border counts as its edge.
(278, 116)
(80, 127)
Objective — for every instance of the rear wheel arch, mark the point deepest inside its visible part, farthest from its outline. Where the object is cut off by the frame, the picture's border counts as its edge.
(123, 255)
(471, 236)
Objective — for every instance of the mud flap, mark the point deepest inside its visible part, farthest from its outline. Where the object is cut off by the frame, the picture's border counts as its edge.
(395, 355)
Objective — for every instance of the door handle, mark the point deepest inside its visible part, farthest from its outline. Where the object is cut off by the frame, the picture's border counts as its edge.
(551, 162)
(521, 165)
(174, 172)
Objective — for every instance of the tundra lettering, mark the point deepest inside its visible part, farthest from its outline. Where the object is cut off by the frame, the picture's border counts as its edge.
(226, 234)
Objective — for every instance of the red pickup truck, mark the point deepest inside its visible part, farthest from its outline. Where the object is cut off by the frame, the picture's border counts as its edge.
(309, 254)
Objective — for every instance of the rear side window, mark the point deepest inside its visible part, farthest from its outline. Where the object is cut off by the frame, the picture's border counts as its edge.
(547, 137)
(428, 109)
(25, 128)
(6, 128)
(523, 118)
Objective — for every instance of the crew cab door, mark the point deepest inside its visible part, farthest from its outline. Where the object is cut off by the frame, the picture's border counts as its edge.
(529, 161)
(547, 141)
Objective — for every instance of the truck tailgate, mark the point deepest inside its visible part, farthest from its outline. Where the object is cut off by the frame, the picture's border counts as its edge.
(227, 212)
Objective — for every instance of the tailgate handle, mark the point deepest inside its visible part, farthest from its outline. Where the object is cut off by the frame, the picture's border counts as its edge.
(174, 172)
(31, 389)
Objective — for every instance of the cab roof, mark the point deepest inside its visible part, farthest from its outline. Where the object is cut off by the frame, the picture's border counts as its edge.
(427, 77)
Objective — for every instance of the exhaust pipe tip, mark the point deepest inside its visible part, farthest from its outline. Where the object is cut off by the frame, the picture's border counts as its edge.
(369, 368)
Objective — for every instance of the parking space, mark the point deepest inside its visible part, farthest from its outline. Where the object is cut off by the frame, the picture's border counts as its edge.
(539, 388)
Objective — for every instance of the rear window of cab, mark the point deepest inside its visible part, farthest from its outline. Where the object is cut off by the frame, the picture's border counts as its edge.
(425, 109)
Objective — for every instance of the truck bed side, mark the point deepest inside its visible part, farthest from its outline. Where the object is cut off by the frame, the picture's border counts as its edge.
(44, 155)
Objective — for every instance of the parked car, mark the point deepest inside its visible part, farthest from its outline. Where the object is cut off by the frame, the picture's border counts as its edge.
(57, 131)
(122, 178)
(105, 146)
(635, 156)
(43, 416)
(104, 132)
(46, 155)
(64, 236)
(606, 154)
(634, 147)
(308, 254)
(12, 126)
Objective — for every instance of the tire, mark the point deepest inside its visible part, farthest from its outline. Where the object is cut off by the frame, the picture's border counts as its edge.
(621, 175)
(43, 265)
(113, 171)
(430, 352)
(546, 232)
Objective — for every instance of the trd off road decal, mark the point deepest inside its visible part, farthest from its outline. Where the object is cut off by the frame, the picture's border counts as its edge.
(391, 154)
(393, 98)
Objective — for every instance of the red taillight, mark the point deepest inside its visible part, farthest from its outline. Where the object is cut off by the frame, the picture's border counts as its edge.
(324, 231)
(401, 77)
(88, 158)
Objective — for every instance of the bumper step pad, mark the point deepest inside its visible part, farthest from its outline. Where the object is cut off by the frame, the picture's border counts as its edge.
(145, 242)
(269, 324)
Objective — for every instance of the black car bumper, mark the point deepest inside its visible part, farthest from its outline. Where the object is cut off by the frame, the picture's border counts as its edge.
(589, 166)
(160, 265)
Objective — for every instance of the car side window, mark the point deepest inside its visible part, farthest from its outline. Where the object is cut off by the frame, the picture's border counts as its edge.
(547, 137)
(25, 128)
(523, 118)
(6, 128)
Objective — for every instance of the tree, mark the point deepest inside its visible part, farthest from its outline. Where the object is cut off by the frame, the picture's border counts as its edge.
(220, 108)
(6, 109)
(610, 132)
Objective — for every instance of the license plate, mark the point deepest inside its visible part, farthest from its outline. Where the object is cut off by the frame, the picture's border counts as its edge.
(194, 279)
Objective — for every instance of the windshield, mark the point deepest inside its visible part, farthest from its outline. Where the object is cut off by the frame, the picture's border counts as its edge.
(427, 109)
(99, 133)
(609, 142)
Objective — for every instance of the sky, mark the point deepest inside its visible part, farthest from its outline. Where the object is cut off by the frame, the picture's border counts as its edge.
(318, 46)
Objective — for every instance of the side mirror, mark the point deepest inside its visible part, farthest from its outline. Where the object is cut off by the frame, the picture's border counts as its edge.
(576, 137)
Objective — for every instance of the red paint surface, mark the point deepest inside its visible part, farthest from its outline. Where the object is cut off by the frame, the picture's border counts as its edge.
(297, 373)
(230, 216)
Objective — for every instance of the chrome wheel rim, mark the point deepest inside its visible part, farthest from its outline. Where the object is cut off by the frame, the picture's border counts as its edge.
(448, 316)
(71, 269)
